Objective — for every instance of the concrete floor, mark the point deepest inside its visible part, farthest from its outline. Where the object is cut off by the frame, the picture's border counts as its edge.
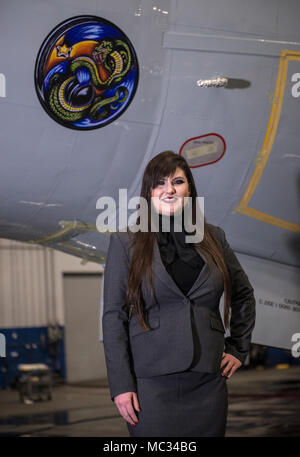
(261, 403)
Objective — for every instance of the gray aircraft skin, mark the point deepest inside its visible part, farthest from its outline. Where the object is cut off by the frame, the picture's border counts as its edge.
(240, 136)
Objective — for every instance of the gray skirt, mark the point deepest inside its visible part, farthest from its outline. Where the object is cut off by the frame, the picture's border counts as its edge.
(185, 404)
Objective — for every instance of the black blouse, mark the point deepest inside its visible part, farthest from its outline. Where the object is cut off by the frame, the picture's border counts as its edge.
(182, 261)
(183, 274)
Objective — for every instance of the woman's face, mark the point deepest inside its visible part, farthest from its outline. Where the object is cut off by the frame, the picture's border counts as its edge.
(170, 193)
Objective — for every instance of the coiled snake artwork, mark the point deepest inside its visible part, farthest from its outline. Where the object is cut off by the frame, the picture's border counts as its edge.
(83, 90)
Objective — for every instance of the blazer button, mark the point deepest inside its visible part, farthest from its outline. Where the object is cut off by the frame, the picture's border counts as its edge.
(186, 301)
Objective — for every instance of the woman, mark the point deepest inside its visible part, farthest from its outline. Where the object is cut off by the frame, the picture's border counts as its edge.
(166, 356)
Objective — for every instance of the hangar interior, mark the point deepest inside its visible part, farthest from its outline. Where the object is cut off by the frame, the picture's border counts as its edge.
(51, 316)
(89, 93)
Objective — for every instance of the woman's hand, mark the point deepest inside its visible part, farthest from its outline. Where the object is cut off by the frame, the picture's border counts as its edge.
(232, 364)
(124, 403)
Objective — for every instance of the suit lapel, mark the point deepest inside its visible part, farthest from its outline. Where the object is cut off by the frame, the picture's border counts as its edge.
(163, 275)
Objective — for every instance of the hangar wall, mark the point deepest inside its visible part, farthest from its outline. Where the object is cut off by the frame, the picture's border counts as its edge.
(32, 306)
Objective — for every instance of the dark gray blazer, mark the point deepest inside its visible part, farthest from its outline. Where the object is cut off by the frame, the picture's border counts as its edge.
(131, 351)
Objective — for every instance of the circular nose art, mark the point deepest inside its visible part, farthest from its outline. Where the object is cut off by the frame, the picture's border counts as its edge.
(86, 73)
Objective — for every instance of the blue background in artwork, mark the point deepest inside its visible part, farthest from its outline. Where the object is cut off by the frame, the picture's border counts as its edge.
(91, 30)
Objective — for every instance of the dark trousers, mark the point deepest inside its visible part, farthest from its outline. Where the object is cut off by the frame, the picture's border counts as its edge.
(185, 404)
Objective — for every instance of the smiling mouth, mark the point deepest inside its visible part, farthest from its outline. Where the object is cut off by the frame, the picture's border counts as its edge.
(169, 200)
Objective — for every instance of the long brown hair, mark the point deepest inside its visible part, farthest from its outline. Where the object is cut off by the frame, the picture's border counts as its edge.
(162, 165)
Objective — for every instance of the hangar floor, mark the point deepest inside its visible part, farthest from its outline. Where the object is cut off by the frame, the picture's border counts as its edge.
(262, 402)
